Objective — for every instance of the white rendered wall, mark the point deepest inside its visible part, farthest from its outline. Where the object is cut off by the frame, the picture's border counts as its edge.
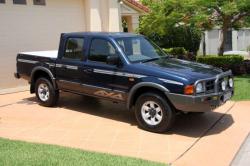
(212, 41)
(33, 28)
(243, 40)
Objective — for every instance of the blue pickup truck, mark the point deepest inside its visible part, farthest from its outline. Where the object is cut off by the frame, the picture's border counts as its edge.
(125, 68)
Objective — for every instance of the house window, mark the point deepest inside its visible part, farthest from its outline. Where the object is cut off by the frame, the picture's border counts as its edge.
(20, 2)
(2, 1)
(39, 2)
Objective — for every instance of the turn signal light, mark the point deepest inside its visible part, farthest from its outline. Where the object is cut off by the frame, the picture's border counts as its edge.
(189, 90)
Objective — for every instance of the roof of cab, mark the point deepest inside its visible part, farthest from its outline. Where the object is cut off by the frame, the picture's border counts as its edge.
(101, 34)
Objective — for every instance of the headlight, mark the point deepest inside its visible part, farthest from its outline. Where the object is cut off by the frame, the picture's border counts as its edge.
(223, 85)
(231, 82)
(199, 88)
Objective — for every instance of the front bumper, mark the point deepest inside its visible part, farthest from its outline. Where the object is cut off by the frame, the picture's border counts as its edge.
(202, 103)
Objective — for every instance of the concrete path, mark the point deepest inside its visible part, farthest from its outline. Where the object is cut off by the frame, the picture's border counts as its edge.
(243, 156)
(90, 124)
(219, 150)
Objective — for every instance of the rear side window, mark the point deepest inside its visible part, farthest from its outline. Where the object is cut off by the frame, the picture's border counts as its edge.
(74, 49)
(2, 1)
(100, 49)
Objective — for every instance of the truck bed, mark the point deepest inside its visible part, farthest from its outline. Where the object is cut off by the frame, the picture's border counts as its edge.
(27, 61)
(48, 54)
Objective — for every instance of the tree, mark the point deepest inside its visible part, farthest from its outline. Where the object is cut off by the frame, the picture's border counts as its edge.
(202, 14)
(182, 36)
(226, 14)
(164, 25)
(163, 14)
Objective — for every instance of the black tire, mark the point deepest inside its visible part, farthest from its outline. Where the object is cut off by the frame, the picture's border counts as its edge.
(53, 94)
(168, 113)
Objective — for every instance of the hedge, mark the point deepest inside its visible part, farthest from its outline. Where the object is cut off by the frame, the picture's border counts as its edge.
(226, 62)
(220, 61)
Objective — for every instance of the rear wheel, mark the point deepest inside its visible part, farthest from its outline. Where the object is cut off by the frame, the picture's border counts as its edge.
(46, 93)
(153, 113)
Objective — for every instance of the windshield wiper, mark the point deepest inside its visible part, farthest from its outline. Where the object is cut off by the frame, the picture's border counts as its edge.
(149, 60)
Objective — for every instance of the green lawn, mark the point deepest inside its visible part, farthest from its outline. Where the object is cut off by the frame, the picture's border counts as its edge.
(24, 154)
(242, 88)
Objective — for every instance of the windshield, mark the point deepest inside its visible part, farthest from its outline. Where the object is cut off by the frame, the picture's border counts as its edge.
(139, 49)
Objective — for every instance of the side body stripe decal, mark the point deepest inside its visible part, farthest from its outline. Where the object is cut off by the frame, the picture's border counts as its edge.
(123, 74)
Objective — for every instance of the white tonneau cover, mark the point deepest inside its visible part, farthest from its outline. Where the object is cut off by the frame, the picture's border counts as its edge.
(47, 54)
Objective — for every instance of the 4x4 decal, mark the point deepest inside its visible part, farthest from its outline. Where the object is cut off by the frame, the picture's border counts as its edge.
(112, 95)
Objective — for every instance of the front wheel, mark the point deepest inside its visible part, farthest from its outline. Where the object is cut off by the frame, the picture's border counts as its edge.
(153, 113)
(46, 93)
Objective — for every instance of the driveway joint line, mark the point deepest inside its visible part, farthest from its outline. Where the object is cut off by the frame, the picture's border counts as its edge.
(6, 105)
(9, 93)
(202, 135)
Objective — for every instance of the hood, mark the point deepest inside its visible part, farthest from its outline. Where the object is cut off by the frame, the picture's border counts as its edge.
(181, 68)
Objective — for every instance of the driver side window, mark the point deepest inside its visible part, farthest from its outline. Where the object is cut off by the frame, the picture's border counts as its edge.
(100, 49)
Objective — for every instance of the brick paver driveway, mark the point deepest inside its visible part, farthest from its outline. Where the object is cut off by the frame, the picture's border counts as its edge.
(90, 124)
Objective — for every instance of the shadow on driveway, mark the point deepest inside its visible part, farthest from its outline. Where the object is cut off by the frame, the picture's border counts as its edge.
(190, 125)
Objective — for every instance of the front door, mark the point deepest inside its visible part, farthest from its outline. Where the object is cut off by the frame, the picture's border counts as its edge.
(70, 65)
(99, 76)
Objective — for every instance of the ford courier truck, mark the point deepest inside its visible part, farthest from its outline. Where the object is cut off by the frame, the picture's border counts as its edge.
(125, 68)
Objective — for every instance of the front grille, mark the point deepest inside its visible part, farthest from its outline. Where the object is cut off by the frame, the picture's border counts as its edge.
(213, 85)
(210, 86)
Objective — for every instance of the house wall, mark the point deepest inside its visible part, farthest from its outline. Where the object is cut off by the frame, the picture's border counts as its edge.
(35, 28)
(240, 40)
(114, 16)
(243, 39)
(212, 41)
(132, 17)
(103, 15)
(31, 27)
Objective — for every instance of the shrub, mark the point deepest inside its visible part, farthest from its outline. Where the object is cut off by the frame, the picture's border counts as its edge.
(191, 56)
(247, 65)
(226, 62)
(177, 52)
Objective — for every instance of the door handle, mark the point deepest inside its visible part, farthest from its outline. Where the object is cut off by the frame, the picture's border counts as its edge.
(89, 70)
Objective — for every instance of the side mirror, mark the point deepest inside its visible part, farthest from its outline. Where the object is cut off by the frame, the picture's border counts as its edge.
(113, 60)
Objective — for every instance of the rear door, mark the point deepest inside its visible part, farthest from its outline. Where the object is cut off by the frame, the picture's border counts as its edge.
(69, 65)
